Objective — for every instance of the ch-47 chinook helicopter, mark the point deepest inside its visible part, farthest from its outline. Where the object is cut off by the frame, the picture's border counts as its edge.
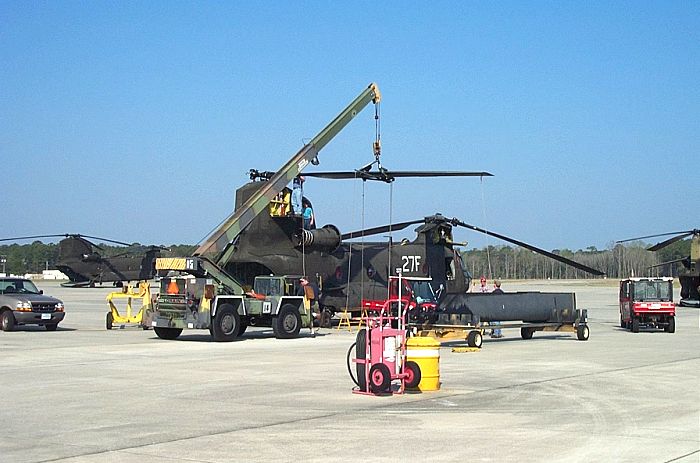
(79, 259)
(689, 275)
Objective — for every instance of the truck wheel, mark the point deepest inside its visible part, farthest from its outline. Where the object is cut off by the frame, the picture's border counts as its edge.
(226, 323)
(51, 327)
(167, 333)
(361, 353)
(582, 332)
(242, 328)
(110, 320)
(379, 378)
(671, 327)
(288, 322)
(635, 325)
(7, 320)
(474, 339)
(413, 373)
(526, 333)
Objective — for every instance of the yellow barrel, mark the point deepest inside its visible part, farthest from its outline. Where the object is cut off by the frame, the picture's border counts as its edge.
(425, 351)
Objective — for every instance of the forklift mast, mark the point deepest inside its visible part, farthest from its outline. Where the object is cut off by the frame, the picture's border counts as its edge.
(218, 247)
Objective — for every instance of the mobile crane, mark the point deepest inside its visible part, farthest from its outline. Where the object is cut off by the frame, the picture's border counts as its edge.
(202, 295)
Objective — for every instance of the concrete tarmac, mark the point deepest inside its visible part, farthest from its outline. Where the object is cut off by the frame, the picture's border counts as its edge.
(83, 394)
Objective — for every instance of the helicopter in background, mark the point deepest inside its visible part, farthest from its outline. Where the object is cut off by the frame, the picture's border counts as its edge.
(689, 275)
(79, 259)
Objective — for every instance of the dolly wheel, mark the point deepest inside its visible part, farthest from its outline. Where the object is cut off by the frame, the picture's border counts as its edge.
(110, 320)
(671, 327)
(379, 378)
(361, 353)
(582, 332)
(413, 375)
(526, 333)
(474, 339)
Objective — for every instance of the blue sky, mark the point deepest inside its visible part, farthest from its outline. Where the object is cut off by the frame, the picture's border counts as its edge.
(137, 120)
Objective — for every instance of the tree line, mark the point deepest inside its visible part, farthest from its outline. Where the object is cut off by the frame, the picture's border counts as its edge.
(618, 261)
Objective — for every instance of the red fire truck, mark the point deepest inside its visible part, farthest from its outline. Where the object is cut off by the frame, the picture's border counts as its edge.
(647, 302)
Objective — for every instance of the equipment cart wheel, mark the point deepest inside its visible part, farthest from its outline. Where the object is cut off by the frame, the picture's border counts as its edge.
(227, 323)
(413, 375)
(582, 332)
(109, 321)
(167, 333)
(379, 378)
(474, 339)
(361, 353)
(671, 327)
(635, 325)
(526, 333)
(623, 324)
(287, 322)
(7, 320)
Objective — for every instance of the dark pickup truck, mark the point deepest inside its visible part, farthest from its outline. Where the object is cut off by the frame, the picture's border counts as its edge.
(21, 303)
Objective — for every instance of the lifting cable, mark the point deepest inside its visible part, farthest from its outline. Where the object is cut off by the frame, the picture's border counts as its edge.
(488, 241)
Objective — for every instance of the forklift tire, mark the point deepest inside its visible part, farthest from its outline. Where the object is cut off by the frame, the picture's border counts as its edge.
(475, 339)
(110, 321)
(287, 322)
(167, 333)
(582, 332)
(671, 327)
(226, 323)
(635, 325)
(379, 378)
(361, 353)
(413, 375)
(526, 333)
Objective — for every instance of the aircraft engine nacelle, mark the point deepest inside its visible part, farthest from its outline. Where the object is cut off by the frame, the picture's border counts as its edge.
(322, 239)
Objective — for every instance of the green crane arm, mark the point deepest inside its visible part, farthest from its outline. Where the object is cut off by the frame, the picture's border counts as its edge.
(218, 242)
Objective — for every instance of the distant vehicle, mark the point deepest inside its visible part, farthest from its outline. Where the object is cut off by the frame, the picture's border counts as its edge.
(689, 274)
(647, 302)
(22, 303)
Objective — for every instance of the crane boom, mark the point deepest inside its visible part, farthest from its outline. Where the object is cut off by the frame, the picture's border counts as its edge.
(215, 247)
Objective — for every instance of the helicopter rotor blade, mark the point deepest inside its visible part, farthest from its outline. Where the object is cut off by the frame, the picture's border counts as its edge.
(551, 255)
(381, 229)
(106, 240)
(653, 236)
(389, 176)
(19, 238)
(668, 262)
(670, 241)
